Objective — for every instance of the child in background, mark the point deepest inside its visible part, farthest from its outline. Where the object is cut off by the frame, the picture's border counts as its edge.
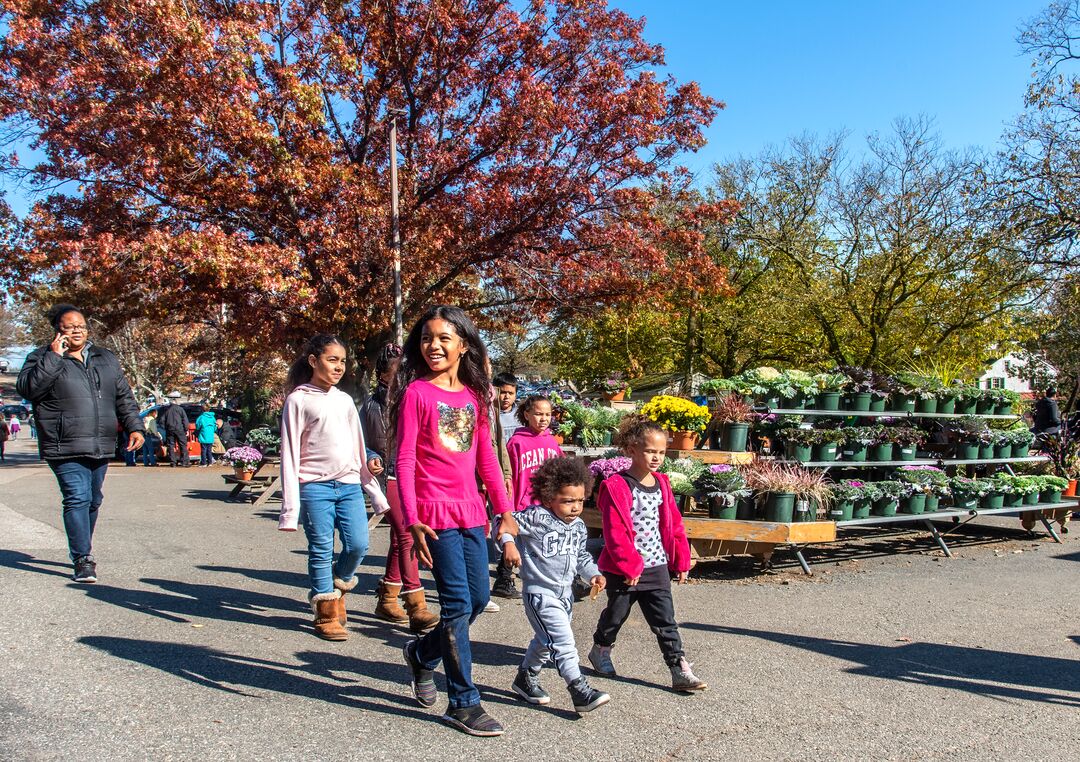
(506, 388)
(528, 448)
(14, 426)
(551, 541)
(440, 413)
(205, 431)
(644, 542)
(323, 469)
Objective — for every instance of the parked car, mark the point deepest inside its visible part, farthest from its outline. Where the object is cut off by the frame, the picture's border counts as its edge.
(22, 412)
(4, 366)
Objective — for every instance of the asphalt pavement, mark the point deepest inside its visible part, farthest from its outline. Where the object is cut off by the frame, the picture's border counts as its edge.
(196, 644)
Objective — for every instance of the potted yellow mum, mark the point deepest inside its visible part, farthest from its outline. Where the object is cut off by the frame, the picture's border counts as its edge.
(683, 419)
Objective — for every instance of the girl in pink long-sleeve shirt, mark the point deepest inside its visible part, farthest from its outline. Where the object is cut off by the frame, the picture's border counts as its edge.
(323, 474)
(530, 446)
(440, 413)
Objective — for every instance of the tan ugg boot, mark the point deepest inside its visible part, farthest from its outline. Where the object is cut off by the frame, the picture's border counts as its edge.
(325, 607)
(388, 607)
(420, 617)
(343, 586)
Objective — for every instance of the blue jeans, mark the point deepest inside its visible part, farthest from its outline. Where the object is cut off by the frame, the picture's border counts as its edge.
(80, 481)
(460, 569)
(206, 454)
(325, 506)
(149, 450)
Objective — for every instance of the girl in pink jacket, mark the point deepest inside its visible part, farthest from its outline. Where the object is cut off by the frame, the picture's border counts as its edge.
(644, 544)
(529, 447)
(323, 476)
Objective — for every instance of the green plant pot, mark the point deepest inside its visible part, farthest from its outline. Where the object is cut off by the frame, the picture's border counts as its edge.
(769, 402)
(962, 501)
(926, 405)
(902, 403)
(793, 403)
(719, 509)
(1050, 496)
(1032, 498)
(827, 401)
(946, 404)
(933, 502)
(966, 406)
(1013, 500)
(842, 510)
(746, 509)
(914, 504)
(886, 506)
(607, 438)
(991, 502)
(825, 453)
(1002, 451)
(855, 452)
(880, 453)
(780, 507)
(1020, 450)
(984, 407)
(986, 451)
(799, 452)
(966, 450)
(1003, 409)
(860, 509)
(877, 403)
(858, 402)
(805, 512)
(905, 452)
(733, 437)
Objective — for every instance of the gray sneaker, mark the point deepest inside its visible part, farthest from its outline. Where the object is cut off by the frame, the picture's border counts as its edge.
(85, 569)
(683, 678)
(600, 658)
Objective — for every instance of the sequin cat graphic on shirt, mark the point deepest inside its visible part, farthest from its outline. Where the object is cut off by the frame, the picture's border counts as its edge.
(456, 426)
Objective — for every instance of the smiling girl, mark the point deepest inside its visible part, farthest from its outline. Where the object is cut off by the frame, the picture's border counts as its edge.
(323, 470)
(440, 413)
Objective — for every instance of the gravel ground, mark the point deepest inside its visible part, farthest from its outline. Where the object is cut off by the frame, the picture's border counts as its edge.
(196, 644)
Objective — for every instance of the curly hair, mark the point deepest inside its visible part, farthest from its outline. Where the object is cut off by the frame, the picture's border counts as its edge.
(556, 473)
(525, 406)
(634, 428)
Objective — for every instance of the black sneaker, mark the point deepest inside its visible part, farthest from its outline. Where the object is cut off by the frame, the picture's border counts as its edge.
(85, 569)
(585, 698)
(504, 587)
(527, 685)
(473, 720)
(423, 680)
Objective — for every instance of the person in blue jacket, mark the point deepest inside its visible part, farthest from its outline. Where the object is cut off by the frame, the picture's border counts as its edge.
(205, 428)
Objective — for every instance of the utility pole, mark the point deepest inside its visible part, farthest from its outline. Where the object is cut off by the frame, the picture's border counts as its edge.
(395, 231)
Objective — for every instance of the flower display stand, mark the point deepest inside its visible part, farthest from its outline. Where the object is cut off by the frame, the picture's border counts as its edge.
(713, 457)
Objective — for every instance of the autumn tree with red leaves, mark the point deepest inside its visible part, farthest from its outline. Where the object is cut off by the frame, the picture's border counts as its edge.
(201, 153)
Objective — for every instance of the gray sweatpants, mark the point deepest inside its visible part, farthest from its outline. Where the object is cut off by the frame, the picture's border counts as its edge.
(550, 620)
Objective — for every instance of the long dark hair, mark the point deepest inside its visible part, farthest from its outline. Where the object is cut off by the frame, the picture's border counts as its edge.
(300, 372)
(472, 370)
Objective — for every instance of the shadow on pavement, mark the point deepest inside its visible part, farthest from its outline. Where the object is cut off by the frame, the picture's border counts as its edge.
(1027, 677)
(25, 562)
(1070, 556)
(232, 673)
(365, 586)
(182, 601)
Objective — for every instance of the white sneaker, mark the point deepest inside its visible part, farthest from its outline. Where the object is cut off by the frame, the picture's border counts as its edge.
(491, 607)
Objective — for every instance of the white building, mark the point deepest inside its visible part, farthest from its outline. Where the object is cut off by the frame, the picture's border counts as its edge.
(1004, 374)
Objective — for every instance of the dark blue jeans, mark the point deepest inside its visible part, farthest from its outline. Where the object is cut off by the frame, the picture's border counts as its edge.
(149, 450)
(460, 569)
(80, 481)
(206, 454)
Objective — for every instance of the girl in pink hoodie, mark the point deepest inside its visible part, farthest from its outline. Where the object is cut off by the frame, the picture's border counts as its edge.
(644, 544)
(440, 413)
(323, 476)
(530, 446)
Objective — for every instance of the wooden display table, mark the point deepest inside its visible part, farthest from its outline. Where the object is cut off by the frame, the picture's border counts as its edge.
(711, 539)
(714, 457)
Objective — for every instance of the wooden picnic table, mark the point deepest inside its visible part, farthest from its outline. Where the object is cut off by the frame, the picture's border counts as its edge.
(263, 487)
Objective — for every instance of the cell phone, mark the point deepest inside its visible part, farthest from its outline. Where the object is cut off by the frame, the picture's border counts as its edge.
(64, 343)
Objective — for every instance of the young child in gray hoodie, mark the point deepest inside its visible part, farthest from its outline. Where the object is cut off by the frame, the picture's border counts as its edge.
(551, 543)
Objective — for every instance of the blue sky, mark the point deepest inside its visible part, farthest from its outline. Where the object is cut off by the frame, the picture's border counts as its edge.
(786, 67)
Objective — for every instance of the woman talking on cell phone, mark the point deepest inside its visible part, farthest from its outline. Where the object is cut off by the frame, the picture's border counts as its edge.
(79, 393)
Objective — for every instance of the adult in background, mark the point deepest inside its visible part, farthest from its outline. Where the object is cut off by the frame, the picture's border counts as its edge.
(1046, 417)
(205, 430)
(79, 393)
(5, 432)
(175, 422)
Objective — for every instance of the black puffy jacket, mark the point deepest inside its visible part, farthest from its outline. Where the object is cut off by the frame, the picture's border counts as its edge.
(77, 405)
